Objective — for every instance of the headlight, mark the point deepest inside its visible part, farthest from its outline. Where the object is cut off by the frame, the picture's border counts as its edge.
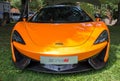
(16, 37)
(102, 37)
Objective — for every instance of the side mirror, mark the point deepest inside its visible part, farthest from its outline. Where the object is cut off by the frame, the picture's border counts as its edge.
(97, 16)
(24, 19)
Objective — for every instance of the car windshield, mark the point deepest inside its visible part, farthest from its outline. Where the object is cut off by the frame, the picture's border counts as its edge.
(60, 15)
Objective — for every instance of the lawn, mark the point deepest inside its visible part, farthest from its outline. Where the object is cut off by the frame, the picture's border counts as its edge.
(10, 73)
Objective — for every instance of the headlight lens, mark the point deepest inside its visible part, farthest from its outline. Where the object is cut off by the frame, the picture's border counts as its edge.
(102, 37)
(16, 37)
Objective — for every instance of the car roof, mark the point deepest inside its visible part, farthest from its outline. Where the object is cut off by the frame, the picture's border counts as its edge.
(53, 6)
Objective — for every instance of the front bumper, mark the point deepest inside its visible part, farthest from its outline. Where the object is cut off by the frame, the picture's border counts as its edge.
(80, 67)
(96, 62)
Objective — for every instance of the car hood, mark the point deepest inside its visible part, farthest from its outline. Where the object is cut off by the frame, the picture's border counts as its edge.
(53, 34)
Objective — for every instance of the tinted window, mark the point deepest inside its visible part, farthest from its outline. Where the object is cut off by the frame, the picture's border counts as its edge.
(60, 15)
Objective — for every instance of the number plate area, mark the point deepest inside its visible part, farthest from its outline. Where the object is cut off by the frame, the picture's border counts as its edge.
(59, 60)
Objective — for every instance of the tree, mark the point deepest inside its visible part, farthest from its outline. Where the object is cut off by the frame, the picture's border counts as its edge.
(51, 2)
(116, 2)
(34, 4)
(118, 22)
(16, 3)
(26, 6)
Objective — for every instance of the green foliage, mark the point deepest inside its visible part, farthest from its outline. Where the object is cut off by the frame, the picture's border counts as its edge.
(16, 3)
(2, 0)
(89, 8)
(109, 1)
(113, 6)
(35, 4)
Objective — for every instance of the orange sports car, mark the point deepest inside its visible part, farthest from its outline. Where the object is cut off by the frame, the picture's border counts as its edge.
(60, 39)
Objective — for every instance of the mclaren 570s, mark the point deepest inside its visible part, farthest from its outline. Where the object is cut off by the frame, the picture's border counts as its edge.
(60, 39)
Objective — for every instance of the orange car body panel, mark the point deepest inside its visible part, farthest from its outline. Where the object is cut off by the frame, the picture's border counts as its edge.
(60, 39)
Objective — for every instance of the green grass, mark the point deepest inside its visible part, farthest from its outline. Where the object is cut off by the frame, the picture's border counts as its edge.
(10, 73)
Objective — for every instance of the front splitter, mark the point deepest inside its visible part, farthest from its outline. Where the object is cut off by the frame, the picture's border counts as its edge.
(80, 67)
